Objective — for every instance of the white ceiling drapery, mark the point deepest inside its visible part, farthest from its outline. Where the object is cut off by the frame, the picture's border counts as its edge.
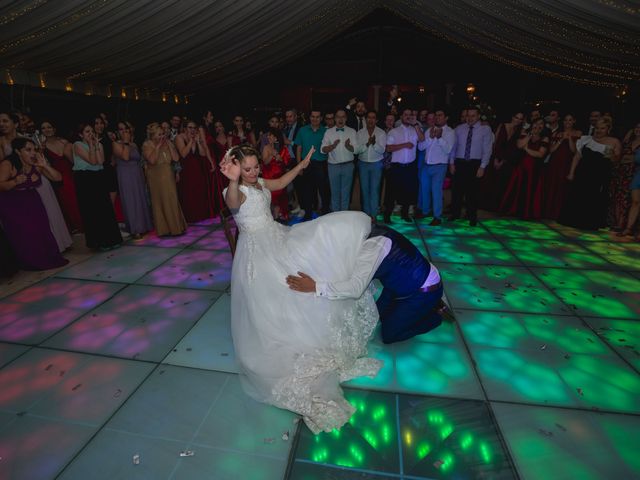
(183, 46)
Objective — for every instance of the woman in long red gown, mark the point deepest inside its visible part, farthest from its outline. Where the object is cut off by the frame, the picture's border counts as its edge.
(193, 187)
(505, 154)
(274, 165)
(59, 153)
(562, 148)
(523, 197)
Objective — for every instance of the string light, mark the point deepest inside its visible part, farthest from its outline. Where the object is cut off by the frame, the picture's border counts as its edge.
(176, 99)
(135, 94)
(10, 80)
(164, 97)
(109, 93)
(123, 93)
(68, 86)
(43, 84)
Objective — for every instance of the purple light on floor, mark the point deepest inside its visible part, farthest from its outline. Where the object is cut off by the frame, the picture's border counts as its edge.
(36, 312)
(190, 236)
(214, 241)
(194, 269)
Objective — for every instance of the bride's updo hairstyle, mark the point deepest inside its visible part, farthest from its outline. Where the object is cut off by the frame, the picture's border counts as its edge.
(243, 151)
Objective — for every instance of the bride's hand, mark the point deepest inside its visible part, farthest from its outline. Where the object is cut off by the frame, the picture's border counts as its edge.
(230, 167)
(306, 160)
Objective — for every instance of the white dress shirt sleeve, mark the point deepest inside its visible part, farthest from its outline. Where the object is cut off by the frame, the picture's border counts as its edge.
(371, 255)
(381, 142)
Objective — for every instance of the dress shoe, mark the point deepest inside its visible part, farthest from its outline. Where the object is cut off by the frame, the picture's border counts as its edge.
(435, 222)
(387, 219)
(473, 223)
(407, 219)
(453, 218)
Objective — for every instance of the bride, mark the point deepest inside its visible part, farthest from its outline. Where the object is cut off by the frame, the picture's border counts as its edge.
(295, 349)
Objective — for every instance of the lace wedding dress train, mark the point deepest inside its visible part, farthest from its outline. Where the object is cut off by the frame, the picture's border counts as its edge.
(294, 348)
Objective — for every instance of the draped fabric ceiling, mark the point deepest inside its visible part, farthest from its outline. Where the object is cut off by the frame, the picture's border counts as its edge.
(188, 45)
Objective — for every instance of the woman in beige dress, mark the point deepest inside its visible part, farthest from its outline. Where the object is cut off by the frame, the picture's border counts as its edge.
(159, 154)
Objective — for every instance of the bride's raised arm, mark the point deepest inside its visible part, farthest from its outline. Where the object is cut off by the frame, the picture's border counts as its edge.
(230, 168)
(287, 178)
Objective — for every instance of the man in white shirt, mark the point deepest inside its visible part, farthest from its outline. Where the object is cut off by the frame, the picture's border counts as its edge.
(339, 143)
(438, 143)
(372, 141)
(402, 142)
(411, 300)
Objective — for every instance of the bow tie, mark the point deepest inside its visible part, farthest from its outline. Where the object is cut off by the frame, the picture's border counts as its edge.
(339, 129)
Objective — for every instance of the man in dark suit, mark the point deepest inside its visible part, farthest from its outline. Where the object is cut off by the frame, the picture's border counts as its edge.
(411, 300)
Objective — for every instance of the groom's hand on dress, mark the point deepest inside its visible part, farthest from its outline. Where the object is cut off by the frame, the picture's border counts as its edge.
(302, 283)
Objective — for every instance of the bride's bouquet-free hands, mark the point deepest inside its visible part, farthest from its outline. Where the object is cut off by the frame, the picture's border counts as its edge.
(230, 167)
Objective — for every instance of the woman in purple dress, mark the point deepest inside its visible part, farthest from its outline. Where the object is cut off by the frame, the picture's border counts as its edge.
(132, 187)
(22, 213)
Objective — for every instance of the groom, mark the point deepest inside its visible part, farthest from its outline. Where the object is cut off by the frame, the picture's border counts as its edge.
(411, 300)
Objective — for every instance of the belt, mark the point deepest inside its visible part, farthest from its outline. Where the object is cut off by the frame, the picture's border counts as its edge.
(470, 160)
(431, 288)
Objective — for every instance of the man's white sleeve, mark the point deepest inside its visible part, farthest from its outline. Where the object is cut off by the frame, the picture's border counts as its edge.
(371, 255)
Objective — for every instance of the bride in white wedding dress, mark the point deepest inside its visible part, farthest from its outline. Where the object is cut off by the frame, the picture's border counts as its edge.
(295, 349)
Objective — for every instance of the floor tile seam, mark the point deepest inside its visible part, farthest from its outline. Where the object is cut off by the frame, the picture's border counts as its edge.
(295, 441)
(217, 289)
(82, 315)
(572, 408)
(96, 354)
(361, 470)
(399, 434)
(53, 418)
(8, 362)
(585, 323)
(520, 312)
(162, 361)
(124, 331)
(187, 445)
(107, 420)
(200, 369)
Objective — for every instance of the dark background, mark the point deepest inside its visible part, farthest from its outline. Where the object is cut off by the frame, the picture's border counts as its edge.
(381, 49)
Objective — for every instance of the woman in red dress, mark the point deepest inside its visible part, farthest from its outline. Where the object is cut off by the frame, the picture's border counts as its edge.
(60, 155)
(274, 165)
(562, 149)
(505, 154)
(193, 188)
(523, 197)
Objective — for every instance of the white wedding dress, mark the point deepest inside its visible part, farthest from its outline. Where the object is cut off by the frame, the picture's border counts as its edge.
(294, 348)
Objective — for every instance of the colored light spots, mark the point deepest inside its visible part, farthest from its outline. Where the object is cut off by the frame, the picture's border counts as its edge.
(423, 449)
(485, 452)
(408, 439)
(435, 418)
(466, 441)
(371, 438)
(446, 431)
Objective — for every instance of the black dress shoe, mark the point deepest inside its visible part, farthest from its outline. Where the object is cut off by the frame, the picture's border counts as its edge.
(407, 219)
(435, 222)
(473, 223)
(387, 219)
(453, 218)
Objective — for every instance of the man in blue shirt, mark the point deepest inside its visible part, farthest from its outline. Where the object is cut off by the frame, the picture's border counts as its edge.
(474, 144)
(317, 177)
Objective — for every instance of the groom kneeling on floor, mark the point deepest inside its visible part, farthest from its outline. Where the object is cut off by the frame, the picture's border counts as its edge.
(411, 300)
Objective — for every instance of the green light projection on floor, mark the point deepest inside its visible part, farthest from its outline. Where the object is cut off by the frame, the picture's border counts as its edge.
(368, 441)
(550, 443)
(554, 253)
(529, 332)
(461, 250)
(449, 439)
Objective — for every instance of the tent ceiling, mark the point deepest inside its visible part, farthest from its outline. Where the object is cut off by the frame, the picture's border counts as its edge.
(188, 45)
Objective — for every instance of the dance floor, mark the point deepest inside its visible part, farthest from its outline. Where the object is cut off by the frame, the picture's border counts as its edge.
(121, 366)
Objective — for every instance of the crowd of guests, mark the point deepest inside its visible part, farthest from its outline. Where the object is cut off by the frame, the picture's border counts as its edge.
(104, 184)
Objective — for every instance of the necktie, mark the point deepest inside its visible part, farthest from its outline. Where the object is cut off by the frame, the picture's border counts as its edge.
(359, 123)
(339, 129)
(467, 148)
